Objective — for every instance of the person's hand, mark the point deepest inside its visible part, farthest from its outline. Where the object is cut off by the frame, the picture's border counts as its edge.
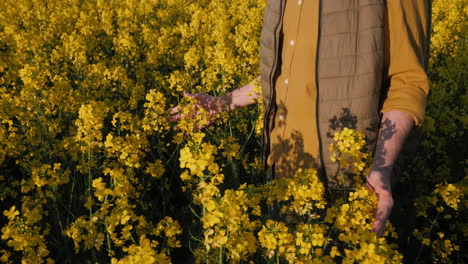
(378, 180)
(211, 104)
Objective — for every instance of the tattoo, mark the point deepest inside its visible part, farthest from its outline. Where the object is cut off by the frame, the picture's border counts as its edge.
(387, 131)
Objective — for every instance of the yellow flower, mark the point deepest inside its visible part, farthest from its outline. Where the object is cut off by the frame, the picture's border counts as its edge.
(11, 214)
(334, 252)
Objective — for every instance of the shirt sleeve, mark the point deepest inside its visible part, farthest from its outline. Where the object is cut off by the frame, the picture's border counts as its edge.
(407, 50)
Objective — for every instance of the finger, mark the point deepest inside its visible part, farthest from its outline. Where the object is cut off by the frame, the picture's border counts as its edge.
(187, 94)
(383, 210)
(379, 223)
(200, 126)
(379, 227)
(176, 117)
(174, 110)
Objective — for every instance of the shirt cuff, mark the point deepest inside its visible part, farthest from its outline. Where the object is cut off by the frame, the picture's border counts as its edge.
(409, 100)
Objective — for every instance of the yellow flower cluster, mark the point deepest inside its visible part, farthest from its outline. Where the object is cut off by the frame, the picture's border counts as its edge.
(441, 246)
(144, 253)
(22, 233)
(129, 149)
(229, 226)
(171, 229)
(352, 218)
(310, 242)
(225, 218)
(448, 26)
(46, 175)
(197, 157)
(231, 148)
(349, 154)
(450, 193)
(89, 125)
(303, 194)
(259, 121)
(155, 119)
(277, 240)
(445, 201)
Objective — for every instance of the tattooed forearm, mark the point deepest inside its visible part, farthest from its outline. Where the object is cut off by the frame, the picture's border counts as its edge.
(394, 130)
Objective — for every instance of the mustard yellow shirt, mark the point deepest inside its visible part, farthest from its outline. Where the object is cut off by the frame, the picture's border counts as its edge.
(294, 138)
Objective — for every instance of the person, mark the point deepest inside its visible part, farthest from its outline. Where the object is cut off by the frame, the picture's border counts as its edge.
(325, 65)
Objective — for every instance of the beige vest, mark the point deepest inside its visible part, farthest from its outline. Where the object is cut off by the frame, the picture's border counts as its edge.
(349, 69)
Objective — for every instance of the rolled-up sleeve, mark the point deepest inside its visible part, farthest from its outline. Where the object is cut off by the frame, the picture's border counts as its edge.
(407, 52)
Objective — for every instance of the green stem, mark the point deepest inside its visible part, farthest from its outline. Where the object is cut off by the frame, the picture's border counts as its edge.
(90, 176)
(220, 261)
(203, 215)
(109, 245)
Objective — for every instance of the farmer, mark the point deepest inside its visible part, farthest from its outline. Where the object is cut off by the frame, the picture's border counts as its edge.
(325, 65)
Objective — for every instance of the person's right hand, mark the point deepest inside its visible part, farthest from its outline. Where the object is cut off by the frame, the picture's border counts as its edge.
(211, 104)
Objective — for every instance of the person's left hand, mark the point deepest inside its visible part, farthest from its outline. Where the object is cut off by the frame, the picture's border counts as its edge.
(378, 180)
